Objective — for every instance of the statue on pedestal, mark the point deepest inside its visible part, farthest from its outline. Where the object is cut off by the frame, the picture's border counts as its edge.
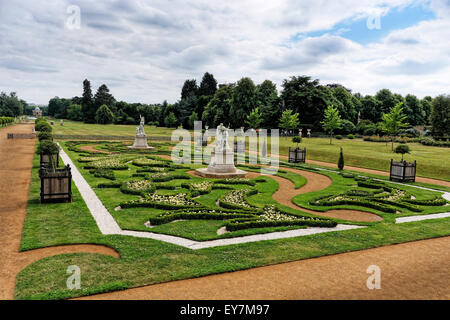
(140, 141)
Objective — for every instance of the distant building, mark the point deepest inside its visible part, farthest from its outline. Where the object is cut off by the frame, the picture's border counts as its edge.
(37, 112)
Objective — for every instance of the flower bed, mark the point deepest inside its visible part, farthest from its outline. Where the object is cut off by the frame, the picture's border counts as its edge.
(198, 188)
(137, 187)
(177, 201)
(237, 199)
(146, 162)
(271, 216)
(109, 163)
(166, 176)
(235, 181)
(205, 214)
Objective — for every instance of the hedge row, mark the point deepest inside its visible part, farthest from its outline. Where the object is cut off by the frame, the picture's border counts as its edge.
(238, 224)
(438, 201)
(235, 181)
(432, 142)
(126, 189)
(399, 204)
(206, 215)
(103, 173)
(174, 176)
(4, 121)
(106, 185)
(361, 203)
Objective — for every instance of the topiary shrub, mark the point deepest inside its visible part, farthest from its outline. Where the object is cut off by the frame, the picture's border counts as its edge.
(402, 149)
(297, 140)
(44, 135)
(43, 127)
(339, 137)
(351, 137)
(341, 160)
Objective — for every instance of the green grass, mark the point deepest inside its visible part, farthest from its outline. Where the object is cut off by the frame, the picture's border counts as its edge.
(80, 128)
(431, 161)
(146, 261)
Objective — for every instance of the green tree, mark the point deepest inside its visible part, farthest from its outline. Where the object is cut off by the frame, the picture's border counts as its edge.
(75, 113)
(370, 109)
(189, 89)
(217, 110)
(386, 99)
(402, 149)
(269, 103)
(331, 121)
(192, 118)
(341, 160)
(254, 119)
(306, 97)
(414, 111)
(243, 101)
(440, 116)
(426, 103)
(170, 121)
(289, 121)
(87, 103)
(346, 107)
(103, 97)
(104, 115)
(394, 121)
(10, 105)
(206, 91)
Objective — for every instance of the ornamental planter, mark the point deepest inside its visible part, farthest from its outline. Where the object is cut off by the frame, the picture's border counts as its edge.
(45, 160)
(403, 171)
(297, 155)
(56, 185)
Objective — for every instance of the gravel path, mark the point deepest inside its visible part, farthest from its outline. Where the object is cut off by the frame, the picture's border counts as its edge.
(16, 158)
(414, 270)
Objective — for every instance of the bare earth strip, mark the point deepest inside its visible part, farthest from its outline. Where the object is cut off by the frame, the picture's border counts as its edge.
(414, 270)
(16, 157)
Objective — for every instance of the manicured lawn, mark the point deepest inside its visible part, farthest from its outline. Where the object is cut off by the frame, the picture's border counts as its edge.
(146, 261)
(80, 128)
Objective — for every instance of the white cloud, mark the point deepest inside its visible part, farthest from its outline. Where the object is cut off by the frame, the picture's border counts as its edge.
(144, 50)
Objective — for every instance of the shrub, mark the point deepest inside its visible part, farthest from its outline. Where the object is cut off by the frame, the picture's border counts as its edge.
(43, 135)
(103, 173)
(47, 147)
(104, 115)
(350, 136)
(137, 187)
(347, 127)
(402, 149)
(43, 126)
(339, 137)
(341, 160)
(297, 140)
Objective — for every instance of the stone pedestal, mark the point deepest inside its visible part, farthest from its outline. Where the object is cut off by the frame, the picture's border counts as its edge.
(140, 142)
(221, 166)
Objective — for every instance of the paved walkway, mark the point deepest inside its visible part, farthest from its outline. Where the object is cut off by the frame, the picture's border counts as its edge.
(414, 270)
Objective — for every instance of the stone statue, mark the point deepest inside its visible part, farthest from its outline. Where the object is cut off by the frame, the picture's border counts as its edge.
(140, 130)
(222, 138)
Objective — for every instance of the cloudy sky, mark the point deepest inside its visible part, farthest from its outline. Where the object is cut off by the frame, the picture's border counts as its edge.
(145, 49)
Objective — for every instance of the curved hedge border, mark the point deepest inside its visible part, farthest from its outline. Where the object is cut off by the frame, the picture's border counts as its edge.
(125, 188)
(197, 214)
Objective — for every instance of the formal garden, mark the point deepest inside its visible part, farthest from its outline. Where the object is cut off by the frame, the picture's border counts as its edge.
(174, 224)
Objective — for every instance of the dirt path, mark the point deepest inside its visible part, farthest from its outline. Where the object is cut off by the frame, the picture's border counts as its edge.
(315, 182)
(414, 270)
(91, 148)
(16, 158)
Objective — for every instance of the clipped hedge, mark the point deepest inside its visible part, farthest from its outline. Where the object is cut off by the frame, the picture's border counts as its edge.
(201, 214)
(235, 181)
(107, 185)
(127, 187)
(4, 121)
(438, 201)
(237, 224)
(234, 206)
(103, 173)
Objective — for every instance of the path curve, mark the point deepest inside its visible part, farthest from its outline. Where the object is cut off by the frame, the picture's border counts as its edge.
(314, 182)
(413, 270)
(13, 202)
(91, 148)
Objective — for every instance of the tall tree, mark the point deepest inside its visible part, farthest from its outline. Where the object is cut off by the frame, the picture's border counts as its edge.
(289, 121)
(440, 116)
(190, 88)
(413, 110)
(370, 109)
(387, 100)
(10, 105)
(104, 115)
(254, 119)
(306, 97)
(346, 107)
(243, 101)
(331, 121)
(394, 121)
(206, 91)
(87, 103)
(103, 97)
(269, 103)
(426, 107)
(217, 110)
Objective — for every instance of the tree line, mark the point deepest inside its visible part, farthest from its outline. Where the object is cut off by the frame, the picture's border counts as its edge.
(246, 104)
